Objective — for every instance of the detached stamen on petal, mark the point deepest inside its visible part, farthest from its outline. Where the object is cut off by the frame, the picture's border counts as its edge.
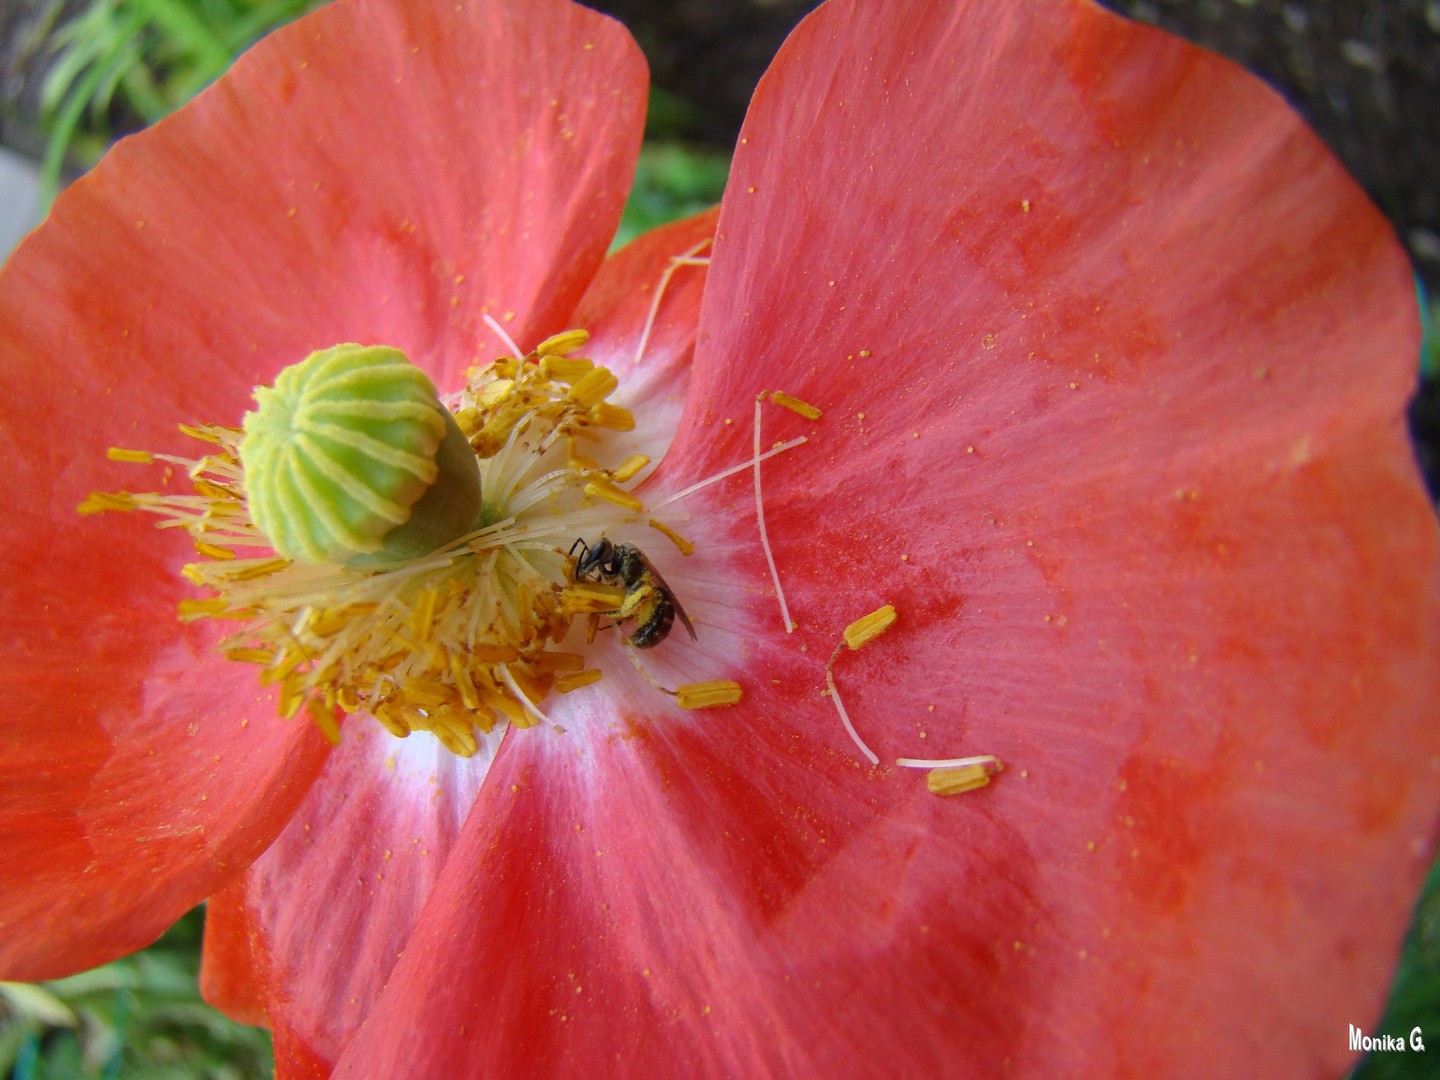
(858, 634)
(947, 776)
(954, 776)
(686, 258)
(810, 412)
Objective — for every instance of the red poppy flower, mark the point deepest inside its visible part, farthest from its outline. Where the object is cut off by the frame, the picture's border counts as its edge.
(1112, 359)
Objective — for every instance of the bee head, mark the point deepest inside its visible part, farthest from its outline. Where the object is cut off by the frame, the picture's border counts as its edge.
(598, 556)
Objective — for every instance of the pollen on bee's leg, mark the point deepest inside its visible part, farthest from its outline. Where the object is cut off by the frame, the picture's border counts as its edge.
(585, 598)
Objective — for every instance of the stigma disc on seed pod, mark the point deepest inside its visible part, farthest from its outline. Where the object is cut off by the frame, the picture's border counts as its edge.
(350, 458)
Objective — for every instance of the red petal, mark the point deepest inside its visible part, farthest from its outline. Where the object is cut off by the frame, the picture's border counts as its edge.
(1190, 603)
(485, 169)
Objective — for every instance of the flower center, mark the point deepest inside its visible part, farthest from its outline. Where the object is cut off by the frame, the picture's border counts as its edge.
(370, 592)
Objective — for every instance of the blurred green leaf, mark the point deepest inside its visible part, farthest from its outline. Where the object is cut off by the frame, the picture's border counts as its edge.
(121, 64)
(672, 181)
(139, 1017)
(1414, 998)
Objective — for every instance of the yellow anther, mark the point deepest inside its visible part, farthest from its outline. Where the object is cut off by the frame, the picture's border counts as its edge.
(604, 490)
(685, 546)
(495, 654)
(708, 695)
(593, 387)
(454, 730)
(249, 655)
(205, 433)
(139, 457)
(868, 627)
(566, 369)
(100, 501)
(563, 344)
(549, 663)
(794, 404)
(494, 394)
(512, 709)
(422, 616)
(954, 781)
(575, 680)
(612, 417)
(291, 696)
(212, 490)
(323, 717)
(251, 569)
(211, 607)
(214, 551)
(427, 693)
(390, 720)
(468, 421)
(628, 468)
(463, 683)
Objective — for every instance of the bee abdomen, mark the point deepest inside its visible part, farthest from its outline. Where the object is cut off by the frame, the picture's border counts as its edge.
(653, 622)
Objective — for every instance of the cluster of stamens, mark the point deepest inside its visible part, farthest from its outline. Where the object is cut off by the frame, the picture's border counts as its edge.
(454, 641)
(468, 634)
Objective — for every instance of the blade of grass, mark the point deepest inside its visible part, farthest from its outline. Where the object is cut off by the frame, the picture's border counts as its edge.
(68, 119)
(186, 31)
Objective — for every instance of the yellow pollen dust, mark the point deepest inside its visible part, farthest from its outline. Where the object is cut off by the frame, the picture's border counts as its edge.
(456, 641)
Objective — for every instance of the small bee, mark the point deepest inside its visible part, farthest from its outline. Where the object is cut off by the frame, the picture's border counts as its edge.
(648, 600)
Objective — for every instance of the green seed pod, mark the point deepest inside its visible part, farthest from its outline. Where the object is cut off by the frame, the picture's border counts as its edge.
(350, 458)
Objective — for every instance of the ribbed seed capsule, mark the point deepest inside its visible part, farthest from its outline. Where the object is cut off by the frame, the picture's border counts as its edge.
(350, 458)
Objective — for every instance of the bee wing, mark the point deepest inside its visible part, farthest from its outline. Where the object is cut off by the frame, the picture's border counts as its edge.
(669, 592)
